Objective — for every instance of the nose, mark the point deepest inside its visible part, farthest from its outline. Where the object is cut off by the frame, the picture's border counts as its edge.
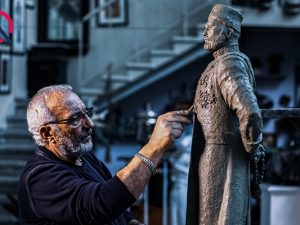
(88, 122)
(204, 32)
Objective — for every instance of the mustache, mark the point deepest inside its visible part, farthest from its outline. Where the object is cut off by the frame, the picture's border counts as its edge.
(85, 134)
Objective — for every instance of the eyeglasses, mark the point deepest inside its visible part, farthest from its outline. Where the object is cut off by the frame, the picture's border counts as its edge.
(76, 118)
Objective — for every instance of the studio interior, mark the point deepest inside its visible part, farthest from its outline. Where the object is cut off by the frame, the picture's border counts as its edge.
(133, 60)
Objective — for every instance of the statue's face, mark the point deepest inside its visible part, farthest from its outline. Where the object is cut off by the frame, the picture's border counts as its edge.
(214, 34)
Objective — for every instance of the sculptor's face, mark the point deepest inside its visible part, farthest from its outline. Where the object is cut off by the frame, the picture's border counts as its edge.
(72, 139)
(214, 35)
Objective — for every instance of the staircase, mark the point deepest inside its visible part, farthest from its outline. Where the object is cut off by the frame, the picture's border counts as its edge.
(134, 73)
(16, 146)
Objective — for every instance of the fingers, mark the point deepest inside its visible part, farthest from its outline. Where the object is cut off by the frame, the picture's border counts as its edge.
(178, 112)
(174, 122)
(179, 119)
(169, 127)
(178, 116)
(176, 125)
(176, 133)
(175, 130)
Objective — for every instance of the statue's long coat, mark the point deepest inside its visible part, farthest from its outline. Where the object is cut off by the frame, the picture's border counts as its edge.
(227, 128)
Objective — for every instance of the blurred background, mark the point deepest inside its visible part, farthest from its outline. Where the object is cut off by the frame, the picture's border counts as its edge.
(133, 60)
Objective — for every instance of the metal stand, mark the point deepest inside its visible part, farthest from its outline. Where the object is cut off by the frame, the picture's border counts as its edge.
(146, 205)
(165, 172)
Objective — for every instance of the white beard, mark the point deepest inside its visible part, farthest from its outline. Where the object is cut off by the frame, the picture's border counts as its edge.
(214, 44)
(73, 149)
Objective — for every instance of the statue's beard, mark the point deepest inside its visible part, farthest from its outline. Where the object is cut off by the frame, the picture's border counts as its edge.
(72, 149)
(215, 43)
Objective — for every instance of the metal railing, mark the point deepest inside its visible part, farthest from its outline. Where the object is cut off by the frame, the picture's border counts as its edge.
(181, 26)
(85, 19)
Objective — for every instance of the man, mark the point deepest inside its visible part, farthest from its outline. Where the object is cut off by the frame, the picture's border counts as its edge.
(230, 122)
(64, 183)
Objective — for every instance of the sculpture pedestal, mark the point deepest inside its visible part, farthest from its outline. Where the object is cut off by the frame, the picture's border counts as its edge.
(280, 205)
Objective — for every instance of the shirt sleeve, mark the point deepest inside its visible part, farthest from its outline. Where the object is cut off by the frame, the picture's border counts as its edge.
(236, 86)
(58, 194)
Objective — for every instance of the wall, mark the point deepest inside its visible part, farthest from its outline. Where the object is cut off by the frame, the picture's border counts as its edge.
(18, 88)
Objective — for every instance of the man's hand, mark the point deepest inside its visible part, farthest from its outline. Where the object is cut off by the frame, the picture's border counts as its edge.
(135, 222)
(168, 127)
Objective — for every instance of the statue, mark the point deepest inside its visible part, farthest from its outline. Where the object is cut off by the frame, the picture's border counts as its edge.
(229, 120)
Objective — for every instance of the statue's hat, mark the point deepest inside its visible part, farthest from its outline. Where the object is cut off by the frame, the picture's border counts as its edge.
(228, 16)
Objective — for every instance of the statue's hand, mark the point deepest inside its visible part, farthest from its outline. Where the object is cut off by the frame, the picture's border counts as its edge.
(257, 169)
(168, 127)
(259, 154)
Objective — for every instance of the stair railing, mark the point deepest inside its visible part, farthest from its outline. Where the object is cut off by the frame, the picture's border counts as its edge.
(158, 40)
(80, 25)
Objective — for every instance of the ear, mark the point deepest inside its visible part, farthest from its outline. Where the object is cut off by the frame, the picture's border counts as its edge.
(45, 132)
(229, 32)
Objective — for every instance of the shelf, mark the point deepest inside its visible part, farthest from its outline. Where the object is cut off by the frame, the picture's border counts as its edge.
(270, 77)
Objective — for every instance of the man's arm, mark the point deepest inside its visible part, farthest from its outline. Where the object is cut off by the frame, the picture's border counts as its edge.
(168, 127)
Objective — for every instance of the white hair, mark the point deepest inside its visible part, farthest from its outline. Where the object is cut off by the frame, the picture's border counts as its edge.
(38, 113)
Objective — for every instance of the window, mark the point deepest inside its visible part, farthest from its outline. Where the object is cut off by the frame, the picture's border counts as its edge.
(58, 21)
(4, 7)
(63, 16)
(5, 70)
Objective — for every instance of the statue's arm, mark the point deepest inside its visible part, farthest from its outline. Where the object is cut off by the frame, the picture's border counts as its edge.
(238, 93)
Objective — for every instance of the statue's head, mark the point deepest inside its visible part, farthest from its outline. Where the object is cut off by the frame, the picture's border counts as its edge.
(223, 25)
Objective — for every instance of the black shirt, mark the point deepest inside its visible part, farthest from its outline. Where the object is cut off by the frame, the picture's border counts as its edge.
(52, 191)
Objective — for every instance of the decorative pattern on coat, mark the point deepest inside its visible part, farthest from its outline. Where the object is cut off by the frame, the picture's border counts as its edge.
(206, 98)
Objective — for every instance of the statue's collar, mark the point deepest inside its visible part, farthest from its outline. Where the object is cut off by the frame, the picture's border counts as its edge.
(226, 49)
